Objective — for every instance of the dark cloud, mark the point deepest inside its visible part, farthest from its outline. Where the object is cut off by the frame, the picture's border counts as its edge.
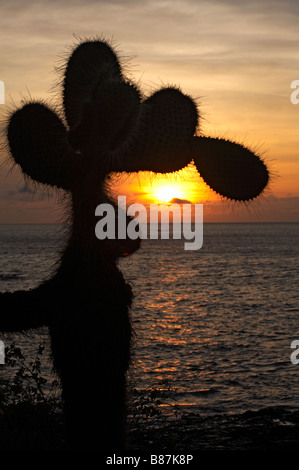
(177, 200)
(26, 193)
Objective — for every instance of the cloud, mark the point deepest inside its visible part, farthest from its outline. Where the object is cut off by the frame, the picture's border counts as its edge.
(240, 57)
(177, 200)
(26, 193)
(208, 40)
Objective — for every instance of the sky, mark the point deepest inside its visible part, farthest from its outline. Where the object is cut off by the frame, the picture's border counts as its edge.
(238, 59)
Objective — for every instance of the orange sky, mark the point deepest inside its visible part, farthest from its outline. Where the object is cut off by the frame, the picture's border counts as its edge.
(237, 60)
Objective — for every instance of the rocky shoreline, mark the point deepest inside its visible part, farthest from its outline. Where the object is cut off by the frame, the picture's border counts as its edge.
(269, 429)
(273, 428)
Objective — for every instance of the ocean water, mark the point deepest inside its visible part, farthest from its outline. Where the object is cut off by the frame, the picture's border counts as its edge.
(213, 327)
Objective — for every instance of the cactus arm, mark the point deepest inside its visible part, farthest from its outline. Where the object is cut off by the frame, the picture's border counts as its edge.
(168, 119)
(230, 169)
(100, 106)
(89, 64)
(38, 143)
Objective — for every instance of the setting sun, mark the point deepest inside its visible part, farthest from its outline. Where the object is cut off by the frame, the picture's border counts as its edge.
(167, 193)
(149, 188)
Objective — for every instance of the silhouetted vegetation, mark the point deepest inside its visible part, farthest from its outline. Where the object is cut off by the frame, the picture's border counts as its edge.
(104, 125)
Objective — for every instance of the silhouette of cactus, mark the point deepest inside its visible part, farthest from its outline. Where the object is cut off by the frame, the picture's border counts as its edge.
(108, 126)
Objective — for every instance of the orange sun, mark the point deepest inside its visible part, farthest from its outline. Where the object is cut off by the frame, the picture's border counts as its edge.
(166, 193)
(148, 188)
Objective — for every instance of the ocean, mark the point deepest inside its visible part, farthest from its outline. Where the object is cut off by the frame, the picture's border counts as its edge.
(213, 327)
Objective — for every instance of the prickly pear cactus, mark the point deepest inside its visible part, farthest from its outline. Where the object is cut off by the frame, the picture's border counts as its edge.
(107, 126)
